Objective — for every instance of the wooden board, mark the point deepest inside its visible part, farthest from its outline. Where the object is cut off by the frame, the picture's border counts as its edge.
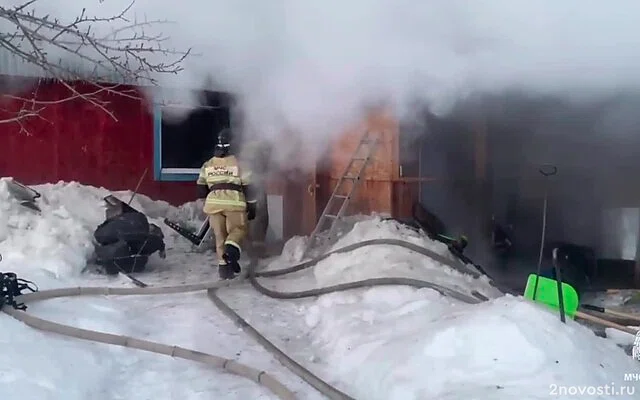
(375, 191)
(383, 164)
(404, 195)
(371, 196)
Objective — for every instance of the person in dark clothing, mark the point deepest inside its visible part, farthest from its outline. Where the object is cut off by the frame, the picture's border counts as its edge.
(500, 240)
(126, 239)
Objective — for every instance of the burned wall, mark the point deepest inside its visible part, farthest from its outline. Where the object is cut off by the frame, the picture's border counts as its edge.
(447, 160)
(594, 145)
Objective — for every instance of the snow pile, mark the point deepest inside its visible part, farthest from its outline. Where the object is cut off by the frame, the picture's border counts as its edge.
(294, 248)
(378, 261)
(52, 249)
(621, 338)
(189, 213)
(40, 365)
(405, 343)
(390, 342)
(292, 252)
(58, 243)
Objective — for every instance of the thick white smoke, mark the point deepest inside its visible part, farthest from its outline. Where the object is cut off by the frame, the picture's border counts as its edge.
(312, 67)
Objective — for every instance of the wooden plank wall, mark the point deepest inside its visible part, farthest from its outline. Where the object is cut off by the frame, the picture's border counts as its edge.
(405, 193)
(76, 141)
(375, 193)
(383, 190)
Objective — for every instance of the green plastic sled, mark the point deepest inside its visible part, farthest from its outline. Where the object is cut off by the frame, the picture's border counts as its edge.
(548, 294)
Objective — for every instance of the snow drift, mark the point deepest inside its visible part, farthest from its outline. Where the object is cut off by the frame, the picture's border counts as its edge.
(58, 243)
(409, 344)
(377, 343)
(52, 249)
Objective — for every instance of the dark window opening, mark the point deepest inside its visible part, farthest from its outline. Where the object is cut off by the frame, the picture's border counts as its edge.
(190, 141)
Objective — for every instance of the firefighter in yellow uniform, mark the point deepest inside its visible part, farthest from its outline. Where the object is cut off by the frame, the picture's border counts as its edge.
(229, 203)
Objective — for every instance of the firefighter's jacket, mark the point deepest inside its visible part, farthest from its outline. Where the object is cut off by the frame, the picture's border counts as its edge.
(229, 185)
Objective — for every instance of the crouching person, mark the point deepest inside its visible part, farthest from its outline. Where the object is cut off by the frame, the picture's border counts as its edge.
(229, 203)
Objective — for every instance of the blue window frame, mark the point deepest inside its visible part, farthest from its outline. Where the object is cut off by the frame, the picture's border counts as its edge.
(180, 147)
(161, 173)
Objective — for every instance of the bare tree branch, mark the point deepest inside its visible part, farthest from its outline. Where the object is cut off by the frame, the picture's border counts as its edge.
(81, 51)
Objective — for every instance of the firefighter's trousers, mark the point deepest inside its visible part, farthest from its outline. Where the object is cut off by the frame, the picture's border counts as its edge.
(229, 227)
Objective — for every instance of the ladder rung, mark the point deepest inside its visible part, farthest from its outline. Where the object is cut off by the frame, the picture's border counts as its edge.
(353, 172)
(325, 235)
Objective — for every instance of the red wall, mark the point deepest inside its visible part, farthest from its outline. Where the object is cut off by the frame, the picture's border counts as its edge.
(77, 141)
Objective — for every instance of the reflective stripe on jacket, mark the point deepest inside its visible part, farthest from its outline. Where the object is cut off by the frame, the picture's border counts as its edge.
(224, 170)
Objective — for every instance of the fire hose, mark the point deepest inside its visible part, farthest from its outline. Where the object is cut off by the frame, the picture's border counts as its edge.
(261, 377)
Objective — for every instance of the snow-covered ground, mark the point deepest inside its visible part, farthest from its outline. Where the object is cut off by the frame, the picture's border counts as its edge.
(378, 343)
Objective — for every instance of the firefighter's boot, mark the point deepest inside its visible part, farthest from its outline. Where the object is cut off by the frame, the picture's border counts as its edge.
(225, 271)
(231, 256)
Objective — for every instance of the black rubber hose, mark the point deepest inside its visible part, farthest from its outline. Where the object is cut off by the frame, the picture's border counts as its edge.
(312, 379)
(309, 377)
(461, 266)
(316, 382)
(362, 284)
(392, 242)
(231, 366)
